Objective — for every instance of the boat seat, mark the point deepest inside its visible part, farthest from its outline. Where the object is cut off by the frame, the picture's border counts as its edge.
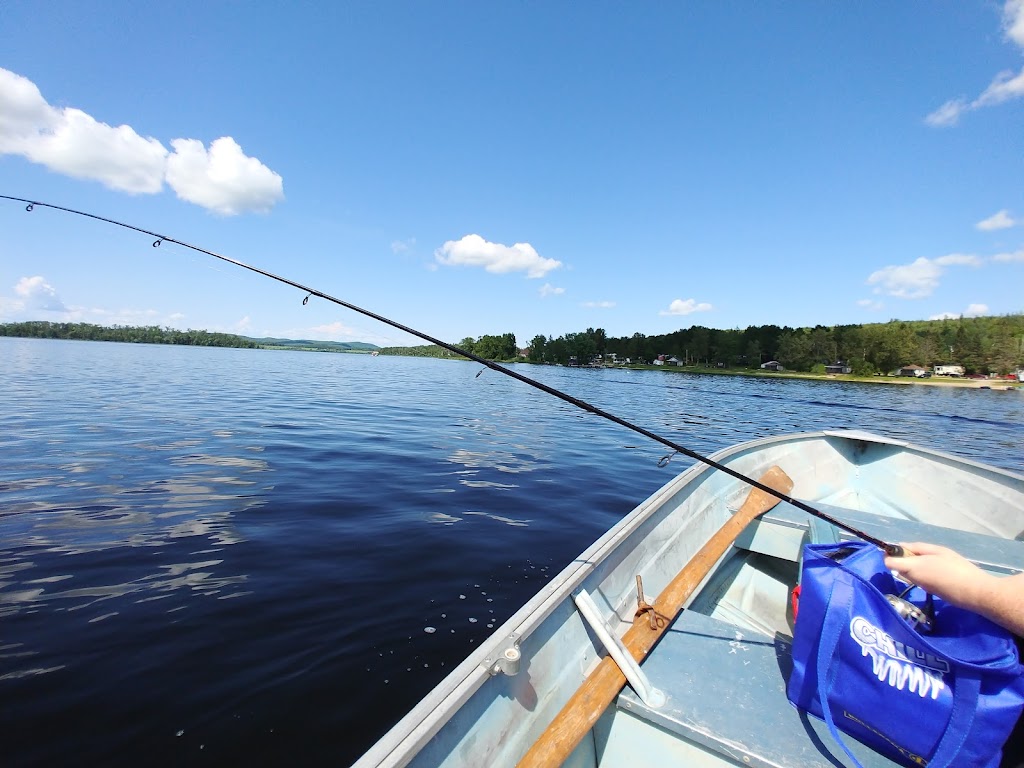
(726, 699)
(784, 530)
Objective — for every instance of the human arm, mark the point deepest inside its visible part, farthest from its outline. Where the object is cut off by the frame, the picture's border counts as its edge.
(957, 580)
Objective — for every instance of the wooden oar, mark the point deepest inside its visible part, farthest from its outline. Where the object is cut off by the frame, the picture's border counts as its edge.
(582, 711)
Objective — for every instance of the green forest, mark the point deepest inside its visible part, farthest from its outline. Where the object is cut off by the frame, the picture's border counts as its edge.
(152, 334)
(149, 334)
(981, 344)
(488, 347)
(312, 345)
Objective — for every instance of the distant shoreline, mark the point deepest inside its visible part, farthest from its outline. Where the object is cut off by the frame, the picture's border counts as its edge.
(931, 381)
(362, 348)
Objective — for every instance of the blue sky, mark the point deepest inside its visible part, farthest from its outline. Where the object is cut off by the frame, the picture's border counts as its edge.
(539, 168)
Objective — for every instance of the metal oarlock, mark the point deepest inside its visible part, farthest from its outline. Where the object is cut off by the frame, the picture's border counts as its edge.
(637, 678)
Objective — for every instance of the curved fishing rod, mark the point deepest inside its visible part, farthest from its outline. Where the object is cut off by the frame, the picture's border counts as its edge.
(891, 549)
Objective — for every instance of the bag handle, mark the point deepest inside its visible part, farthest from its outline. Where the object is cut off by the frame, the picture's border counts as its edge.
(965, 705)
(966, 693)
(831, 630)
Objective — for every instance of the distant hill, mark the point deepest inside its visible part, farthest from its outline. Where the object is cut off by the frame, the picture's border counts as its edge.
(149, 334)
(152, 334)
(313, 345)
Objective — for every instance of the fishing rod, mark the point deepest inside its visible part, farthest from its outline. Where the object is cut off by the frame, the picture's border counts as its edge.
(892, 549)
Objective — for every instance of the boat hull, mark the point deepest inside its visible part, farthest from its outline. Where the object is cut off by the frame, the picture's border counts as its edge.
(480, 716)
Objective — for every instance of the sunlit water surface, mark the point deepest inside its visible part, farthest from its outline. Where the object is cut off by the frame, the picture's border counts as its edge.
(215, 556)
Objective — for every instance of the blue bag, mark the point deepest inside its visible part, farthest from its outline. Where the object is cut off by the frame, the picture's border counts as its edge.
(951, 696)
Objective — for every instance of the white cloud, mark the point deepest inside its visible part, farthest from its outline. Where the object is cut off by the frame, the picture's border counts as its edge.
(871, 304)
(338, 331)
(23, 111)
(973, 310)
(222, 180)
(73, 143)
(959, 259)
(36, 293)
(119, 158)
(1013, 21)
(919, 278)
(598, 304)
(401, 246)
(36, 299)
(102, 316)
(687, 307)
(1008, 257)
(474, 251)
(549, 290)
(948, 114)
(333, 331)
(909, 281)
(1000, 220)
(1006, 86)
(1003, 88)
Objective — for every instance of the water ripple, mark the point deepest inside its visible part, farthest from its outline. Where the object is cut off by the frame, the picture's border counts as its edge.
(219, 549)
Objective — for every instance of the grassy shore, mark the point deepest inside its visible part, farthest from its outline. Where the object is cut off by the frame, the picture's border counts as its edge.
(933, 381)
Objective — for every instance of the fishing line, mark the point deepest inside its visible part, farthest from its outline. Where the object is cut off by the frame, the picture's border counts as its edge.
(891, 549)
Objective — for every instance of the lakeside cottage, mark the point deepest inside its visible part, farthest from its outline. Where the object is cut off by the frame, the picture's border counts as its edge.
(838, 367)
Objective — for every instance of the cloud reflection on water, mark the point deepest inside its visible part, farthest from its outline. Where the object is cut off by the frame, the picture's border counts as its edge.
(498, 459)
(94, 505)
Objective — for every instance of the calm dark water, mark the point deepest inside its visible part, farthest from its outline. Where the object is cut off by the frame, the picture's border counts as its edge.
(214, 556)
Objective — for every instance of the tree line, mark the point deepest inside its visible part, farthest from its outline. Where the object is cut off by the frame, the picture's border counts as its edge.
(428, 350)
(150, 334)
(980, 344)
(488, 347)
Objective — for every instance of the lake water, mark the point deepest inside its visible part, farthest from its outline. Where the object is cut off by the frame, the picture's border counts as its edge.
(217, 556)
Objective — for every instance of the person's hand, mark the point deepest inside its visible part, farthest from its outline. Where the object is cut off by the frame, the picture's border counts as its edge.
(957, 580)
(942, 572)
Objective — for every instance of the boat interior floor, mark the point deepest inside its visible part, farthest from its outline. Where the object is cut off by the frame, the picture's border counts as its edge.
(723, 664)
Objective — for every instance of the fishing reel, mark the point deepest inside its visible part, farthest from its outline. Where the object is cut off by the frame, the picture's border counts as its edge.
(921, 619)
